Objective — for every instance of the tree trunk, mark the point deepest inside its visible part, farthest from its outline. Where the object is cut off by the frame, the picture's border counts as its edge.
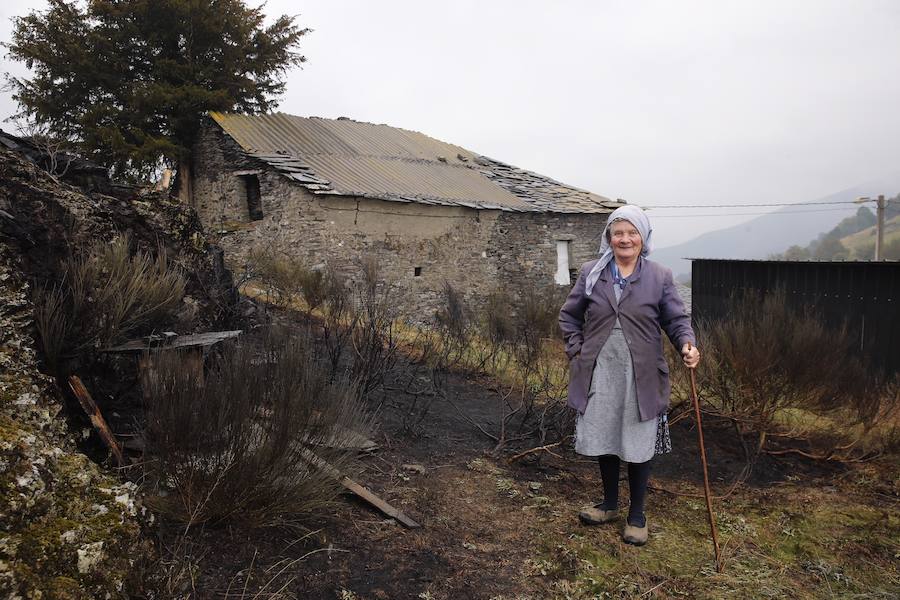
(184, 179)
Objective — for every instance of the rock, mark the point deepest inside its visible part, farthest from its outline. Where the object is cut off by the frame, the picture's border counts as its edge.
(89, 556)
(62, 535)
(414, 468)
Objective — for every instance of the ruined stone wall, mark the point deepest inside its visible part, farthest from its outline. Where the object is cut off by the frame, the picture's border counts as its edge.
(219, 196)
(68, 529)
(418, 247)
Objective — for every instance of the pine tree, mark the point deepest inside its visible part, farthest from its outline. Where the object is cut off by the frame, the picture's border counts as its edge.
(128, 81)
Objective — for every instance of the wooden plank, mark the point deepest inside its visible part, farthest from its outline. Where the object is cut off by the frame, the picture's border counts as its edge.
(209, 338)
(361, 491)
(147, 368)
(147, 373)
(378, 503)
(99, 423)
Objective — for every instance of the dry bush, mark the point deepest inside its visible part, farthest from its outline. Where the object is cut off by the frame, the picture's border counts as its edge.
(537, 319)
(454, 318)
(514, 340)
(539, 310)
(375, 337)
(766, 359)
(538, 365)
(57, 152)
(498, 326)
(234, 444)
(105, 296)
(458, 341)
(280, 275)
(313, 287)
(337, 330)
(357, 325)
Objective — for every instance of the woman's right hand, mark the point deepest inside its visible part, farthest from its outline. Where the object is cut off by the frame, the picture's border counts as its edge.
(690, 355)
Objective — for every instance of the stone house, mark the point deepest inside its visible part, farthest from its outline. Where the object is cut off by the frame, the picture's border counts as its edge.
(336, 191)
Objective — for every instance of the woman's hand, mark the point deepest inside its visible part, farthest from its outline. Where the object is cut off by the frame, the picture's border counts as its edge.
(690, 355)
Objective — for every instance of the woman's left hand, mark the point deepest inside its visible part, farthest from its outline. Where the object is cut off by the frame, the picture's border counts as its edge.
(690, 355)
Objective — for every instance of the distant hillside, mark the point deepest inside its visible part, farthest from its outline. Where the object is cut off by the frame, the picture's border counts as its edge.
(851, 239)
(771, 233)
(862, 244)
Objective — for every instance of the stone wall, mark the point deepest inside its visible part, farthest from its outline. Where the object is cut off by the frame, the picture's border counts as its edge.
(68, 529)
(418, 247)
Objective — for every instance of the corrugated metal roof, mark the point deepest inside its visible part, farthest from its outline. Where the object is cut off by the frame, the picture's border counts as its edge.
(346, 157)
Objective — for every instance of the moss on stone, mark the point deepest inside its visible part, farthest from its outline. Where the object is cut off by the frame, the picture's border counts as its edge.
(67, 530)
(64, 588)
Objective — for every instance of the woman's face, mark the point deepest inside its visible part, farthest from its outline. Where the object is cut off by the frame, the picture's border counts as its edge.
(625, 240)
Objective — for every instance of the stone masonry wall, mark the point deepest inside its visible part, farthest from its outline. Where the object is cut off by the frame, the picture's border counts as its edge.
(67, 529)
(418, 247)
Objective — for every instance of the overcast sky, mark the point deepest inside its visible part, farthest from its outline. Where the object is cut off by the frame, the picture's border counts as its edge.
(660, 103)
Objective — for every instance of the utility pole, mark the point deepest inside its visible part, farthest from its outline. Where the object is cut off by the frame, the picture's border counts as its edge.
(879, 228)
(879, 223)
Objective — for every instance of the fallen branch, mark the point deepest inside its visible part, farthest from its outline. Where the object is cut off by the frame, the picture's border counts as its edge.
(547, 447)
(97, 420)
(470, 420)
(828, 456)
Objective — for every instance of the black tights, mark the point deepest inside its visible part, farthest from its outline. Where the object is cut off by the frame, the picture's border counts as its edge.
(638, 478)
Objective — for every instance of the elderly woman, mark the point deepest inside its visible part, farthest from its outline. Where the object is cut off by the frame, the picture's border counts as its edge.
(618, 376)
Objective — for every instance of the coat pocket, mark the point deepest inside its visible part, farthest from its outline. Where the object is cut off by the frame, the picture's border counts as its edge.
(578, 384)
(664, 385)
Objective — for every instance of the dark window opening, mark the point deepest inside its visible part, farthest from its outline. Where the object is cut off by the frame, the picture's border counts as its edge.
(417, 271)
(254, 201)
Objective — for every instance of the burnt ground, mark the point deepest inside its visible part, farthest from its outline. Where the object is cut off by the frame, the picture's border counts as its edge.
(491, 529)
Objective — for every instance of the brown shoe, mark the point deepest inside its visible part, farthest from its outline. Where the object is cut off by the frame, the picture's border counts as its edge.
(596, 515)
(636, 536)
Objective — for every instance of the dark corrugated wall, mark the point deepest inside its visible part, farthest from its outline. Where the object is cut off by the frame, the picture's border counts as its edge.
(864, 295)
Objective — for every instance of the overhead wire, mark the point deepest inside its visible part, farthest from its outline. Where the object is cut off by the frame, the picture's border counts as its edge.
(786, 212)
(735, 214)
(752, 205)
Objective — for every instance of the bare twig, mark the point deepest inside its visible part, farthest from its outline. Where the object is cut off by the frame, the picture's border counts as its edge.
(546, 447)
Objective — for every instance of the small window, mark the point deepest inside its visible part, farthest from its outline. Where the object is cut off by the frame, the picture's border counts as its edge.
(417, 271)
(254, 201)
(562, 276)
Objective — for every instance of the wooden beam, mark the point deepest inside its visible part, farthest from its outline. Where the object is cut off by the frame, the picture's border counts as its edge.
(99, 423)
(361, 491)
(175, 342)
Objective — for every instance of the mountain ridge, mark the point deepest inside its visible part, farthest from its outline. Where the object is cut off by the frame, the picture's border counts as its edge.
(773, 232)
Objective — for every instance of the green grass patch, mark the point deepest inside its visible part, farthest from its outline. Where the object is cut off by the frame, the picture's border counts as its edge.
(808, 544)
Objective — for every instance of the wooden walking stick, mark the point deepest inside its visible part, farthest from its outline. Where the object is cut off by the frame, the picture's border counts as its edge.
(709, 510)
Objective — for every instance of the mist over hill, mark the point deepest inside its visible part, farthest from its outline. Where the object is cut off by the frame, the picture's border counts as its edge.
(770, 233)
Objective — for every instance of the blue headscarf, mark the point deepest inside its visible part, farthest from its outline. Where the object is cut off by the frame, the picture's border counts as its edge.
(636, 217)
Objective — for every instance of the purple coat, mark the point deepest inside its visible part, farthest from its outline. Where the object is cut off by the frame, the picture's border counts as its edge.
(649, 302)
